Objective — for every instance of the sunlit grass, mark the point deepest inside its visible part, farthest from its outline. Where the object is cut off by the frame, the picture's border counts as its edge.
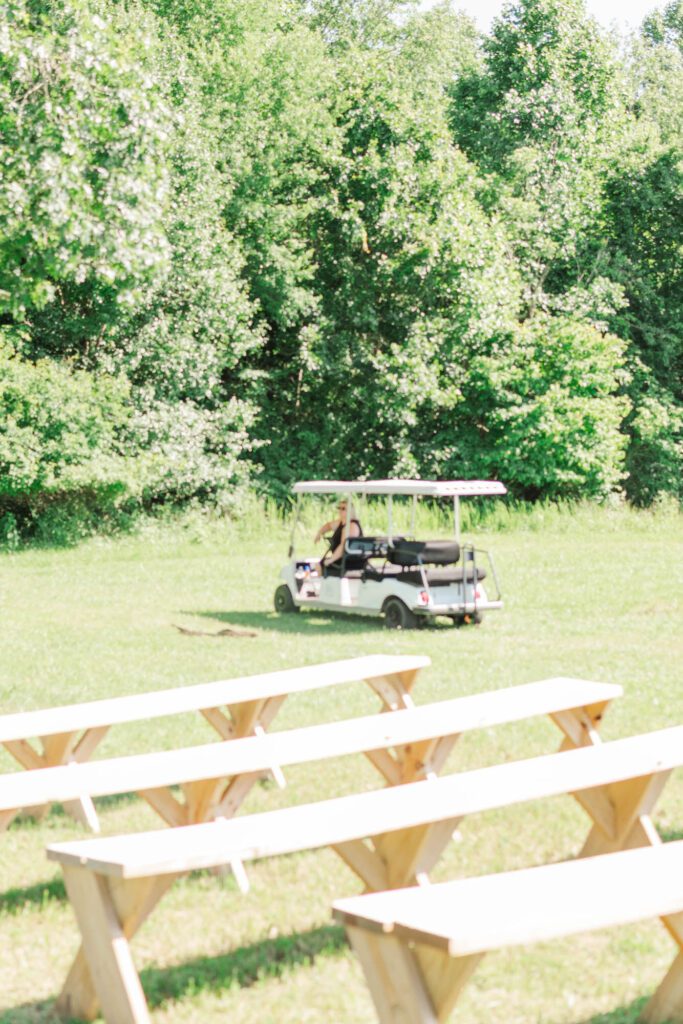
(593, 593)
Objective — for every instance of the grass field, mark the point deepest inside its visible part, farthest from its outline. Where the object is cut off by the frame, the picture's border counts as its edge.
(596, 594)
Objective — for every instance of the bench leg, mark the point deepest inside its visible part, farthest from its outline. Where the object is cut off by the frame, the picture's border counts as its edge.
(203, 800)
(580, 726)
(410, 986)
(413, 761)
(250, 718)
(666, 1005)
(394, 689)
(397, 859)
(410, 854)
(621, 814)
(109, 912)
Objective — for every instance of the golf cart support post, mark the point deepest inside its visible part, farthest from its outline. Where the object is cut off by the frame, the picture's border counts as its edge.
(395, 575)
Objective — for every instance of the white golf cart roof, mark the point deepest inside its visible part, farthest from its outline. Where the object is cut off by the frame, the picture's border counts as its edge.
(425, 488)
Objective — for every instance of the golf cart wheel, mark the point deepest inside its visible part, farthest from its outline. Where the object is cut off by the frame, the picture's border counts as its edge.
(284, 601)
(397, 615)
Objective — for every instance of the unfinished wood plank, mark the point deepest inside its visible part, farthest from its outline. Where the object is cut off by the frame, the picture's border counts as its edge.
(519, 907)
(89, 742)
(6, 817)
(166, 805)
(106, 949)
(133, 707)
(630, 800)
(394, 690)
(372, 813)
(666, 1005)
(674, 925)
(202, 799)
(445, 977)
(59, 747)
(409, 854)
(386, 765)
(235, 793)
(296, 746)
(132, 902)
(25, 754)
(394, 979)
(220, 722)
(580, 726)
(364, 862)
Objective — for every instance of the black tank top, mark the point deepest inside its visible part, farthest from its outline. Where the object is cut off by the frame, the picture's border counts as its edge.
(337, 536)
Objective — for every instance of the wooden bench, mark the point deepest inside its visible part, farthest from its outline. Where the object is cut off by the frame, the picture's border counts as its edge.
(404, 746)
(418, 947)
(125, 876)
(235, 708)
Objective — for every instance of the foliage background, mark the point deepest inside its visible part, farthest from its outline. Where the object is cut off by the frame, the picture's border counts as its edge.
(247, 241)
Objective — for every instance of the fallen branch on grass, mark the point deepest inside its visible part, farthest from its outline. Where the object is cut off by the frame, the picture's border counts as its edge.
(228, 631)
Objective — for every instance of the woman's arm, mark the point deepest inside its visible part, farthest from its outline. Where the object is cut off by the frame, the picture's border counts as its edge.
(325, 528)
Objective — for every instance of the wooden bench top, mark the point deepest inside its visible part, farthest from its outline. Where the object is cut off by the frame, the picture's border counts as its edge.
(297, 746)
(254, 754)
(357, 816)
(474, 915)
(134, 707)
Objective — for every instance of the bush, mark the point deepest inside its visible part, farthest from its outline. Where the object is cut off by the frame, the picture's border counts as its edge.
(58, 437)
(655, 455)
(545, 409)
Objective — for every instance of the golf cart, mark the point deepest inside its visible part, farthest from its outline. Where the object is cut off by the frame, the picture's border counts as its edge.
(395, 575)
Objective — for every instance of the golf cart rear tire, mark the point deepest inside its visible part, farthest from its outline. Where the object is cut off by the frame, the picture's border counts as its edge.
(397, 615)
(283, 600)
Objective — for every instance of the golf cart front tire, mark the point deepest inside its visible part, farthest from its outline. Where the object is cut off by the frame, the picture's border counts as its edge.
(397, 615)
(283, 600)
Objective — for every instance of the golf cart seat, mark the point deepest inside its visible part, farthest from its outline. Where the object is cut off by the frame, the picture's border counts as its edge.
(412, 556)
(408, 553)
(442, 577)
(369, 547)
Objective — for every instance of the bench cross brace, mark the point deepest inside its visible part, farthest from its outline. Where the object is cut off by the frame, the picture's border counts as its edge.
(58, 749)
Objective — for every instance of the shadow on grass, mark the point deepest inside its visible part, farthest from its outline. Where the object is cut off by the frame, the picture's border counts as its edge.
(670, 835)
(304, 623)
(242, 968)
(622, 1015)
(13, 901)
(26, 821)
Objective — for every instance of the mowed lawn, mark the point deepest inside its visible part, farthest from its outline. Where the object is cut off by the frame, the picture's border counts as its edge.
(597, 594)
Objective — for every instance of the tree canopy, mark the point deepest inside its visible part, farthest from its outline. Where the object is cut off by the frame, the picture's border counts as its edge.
(247, 241)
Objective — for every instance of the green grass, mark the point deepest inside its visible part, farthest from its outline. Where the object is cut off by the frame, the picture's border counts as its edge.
(596, 593)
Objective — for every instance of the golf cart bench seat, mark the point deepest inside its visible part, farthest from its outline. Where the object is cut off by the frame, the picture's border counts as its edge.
(369, 547)
(408, 553)
(442, 577)
(401, 552)
(435, 577)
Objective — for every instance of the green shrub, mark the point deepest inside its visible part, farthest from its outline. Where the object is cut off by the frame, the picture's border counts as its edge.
(58, 435)
(545, 410)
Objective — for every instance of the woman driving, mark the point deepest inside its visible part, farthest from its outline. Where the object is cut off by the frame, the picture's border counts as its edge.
(331, 562)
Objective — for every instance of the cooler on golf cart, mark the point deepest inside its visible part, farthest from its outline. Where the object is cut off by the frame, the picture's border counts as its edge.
(394, 574)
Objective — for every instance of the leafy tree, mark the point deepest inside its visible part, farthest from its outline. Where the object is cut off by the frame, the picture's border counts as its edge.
(539, 116)
(83, 170)
(412, 276)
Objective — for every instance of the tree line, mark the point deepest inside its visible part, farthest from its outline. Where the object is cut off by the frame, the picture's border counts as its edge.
(249, 241)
